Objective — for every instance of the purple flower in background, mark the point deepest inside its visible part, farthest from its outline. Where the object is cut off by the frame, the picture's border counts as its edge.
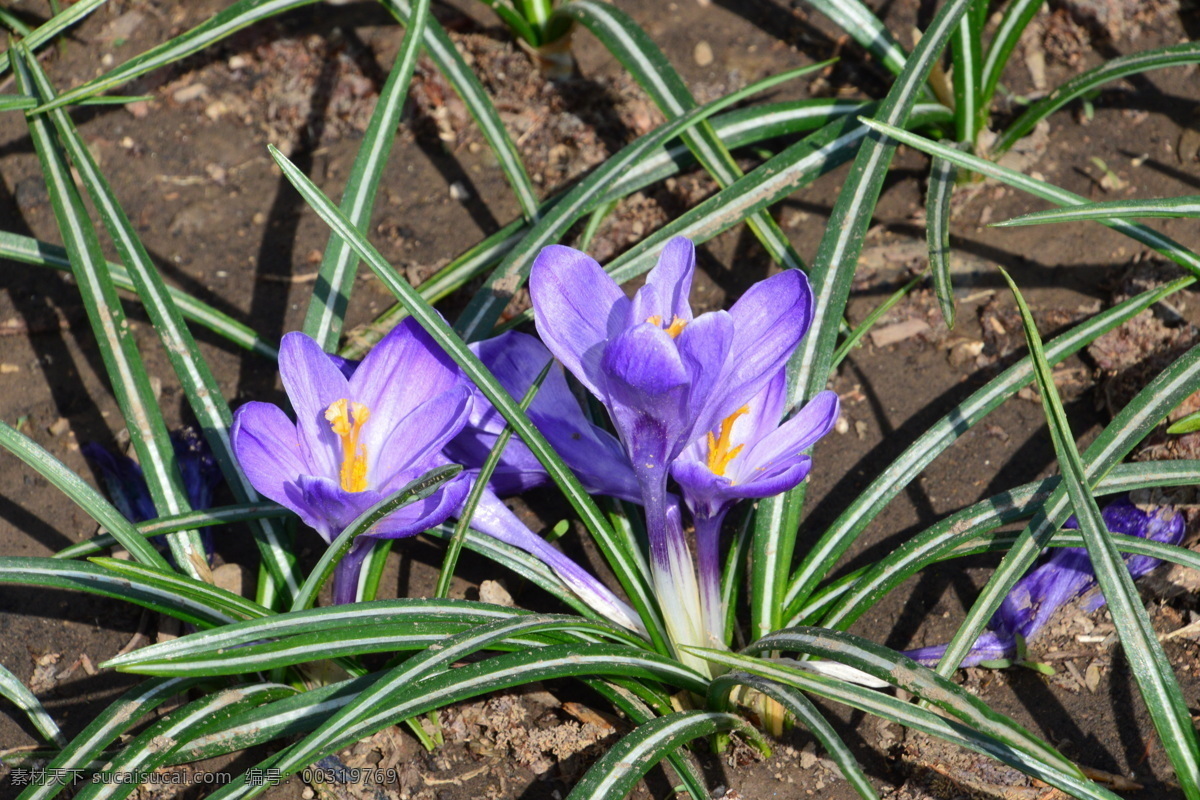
(666, 376)
(1064, 576)
(592, 453)
(127, 485)
(357, 438)
(750, 455)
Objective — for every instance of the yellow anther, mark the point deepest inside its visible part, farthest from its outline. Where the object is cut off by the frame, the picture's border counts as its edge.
(720, 453)
(347, 419)
(674, 329)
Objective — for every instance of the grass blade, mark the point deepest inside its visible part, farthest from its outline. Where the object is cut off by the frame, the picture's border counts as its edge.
(1185, 206)
(200, 386)
(831, 275)
(865, 28)
(619, 769)
(181, 522)
(104, 730)
(52, 27)
(411, 492)
(1175, 56)
(905, 468)
(335, 278)
(806, 714)
(1017, 15)
(967, 56)
(114, 338)
(942, 175)
(12, 688)
(1156, 680)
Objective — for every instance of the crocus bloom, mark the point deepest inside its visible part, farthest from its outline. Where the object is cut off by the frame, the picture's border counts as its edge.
(592, 453)
(1064, 576)
(127, 485)
(357, 438)
(750, 455)
(665, 375)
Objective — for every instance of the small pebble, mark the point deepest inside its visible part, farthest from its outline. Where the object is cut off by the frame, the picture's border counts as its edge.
(703, 53)
(458, 191)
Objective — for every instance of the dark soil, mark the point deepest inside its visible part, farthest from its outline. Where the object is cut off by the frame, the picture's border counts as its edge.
(192, 171)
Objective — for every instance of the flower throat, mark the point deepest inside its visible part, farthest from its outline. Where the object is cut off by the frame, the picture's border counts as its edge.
(347, 419)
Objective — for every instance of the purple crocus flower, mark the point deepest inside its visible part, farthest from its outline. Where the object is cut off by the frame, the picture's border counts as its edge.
(592, 453)
(1065, 575)
(751, 455)
(361, 433)
(666, 376)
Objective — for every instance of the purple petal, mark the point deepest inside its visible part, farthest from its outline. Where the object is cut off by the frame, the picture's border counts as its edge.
(707, 495)
(265, 443)
(577, 309)
(416, 437)
(313, 382)
(124, 481)
(770, 319)
(403, 371)
(671, 279)
(784, 447)
(703, 347)
(325, 506)
(990, 646)
(423, 514)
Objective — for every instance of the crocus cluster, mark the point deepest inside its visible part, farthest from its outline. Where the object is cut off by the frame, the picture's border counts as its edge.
(697, 397)
(365, 430)
(1065, 575)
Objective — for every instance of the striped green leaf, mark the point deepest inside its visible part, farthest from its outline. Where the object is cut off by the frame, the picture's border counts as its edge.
(924, 449)
(20, 696)
(831, 275)
(1015, 18)
(966, 52)
(636, 753)
(413, 491)
(154, 594)
(200, 386)
(942, 176)
(339, 266)
(1175, 56)
(219, 600)
(864, 27)
(181, 522)
(80, 493)
(104, 730)
(805, 714)
(114, 338)
(51, 28)
(1151, 669)
(1165, 245)
(1185, 206)
(913, 717)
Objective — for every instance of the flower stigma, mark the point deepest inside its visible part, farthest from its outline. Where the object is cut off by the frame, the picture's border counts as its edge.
(674, 329)
(720, 453)
(347, 419)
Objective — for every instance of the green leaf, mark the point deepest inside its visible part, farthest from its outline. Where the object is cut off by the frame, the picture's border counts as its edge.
(1175, 56)
(335, 278)
(201, 388)
(150, 592)
(942, 176)
(1151, 669)
(916, 718)
(104, 730)
(1188, 424)
(16, 692)
(52, 27)
(627, 761)
(1185, 206)
(180, 522)
(805, 713)
(114, 338)
(831, 275)
(830, 546)
(1016, 17)
(224, 602)
(81, 494)
(865, 28)
(966, 51)
(1165, 245)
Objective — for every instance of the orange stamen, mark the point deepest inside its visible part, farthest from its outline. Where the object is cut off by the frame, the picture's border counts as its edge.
(720, 452)
(347, 419)
(674, 329)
